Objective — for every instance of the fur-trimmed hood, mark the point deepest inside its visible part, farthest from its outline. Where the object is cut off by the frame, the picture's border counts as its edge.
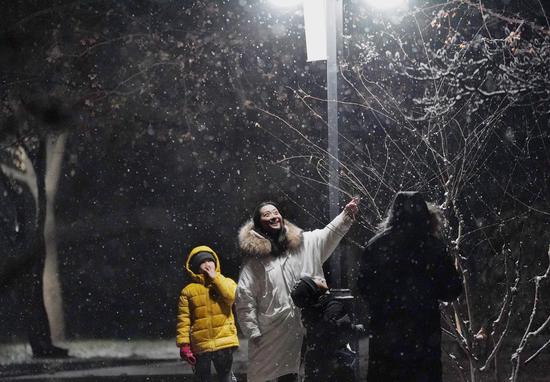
(253, 243)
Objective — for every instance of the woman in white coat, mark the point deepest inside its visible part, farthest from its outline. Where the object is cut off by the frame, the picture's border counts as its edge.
(277, 254)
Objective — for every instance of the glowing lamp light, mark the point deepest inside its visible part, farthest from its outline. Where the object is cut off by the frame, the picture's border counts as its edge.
(387, 4)
(286, 3)
(315, 22)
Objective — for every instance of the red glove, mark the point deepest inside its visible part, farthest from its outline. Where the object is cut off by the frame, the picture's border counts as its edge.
(187, 355)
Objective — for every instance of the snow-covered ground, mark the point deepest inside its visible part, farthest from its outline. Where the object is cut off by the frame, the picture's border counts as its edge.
(147, 349)
(103, 358)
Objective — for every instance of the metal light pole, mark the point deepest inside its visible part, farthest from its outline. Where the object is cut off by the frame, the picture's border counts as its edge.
(335, 20)
(324, 35)
(333, 44)
(334, 16)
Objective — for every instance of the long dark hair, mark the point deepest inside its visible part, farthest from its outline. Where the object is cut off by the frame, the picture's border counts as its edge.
(410, 212)
(279, 241)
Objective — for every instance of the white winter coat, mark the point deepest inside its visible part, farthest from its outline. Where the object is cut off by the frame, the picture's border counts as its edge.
(263, 303)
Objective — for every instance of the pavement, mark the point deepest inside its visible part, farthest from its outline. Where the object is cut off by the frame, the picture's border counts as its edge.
(158, 360)
(105, 360)
(92, 360)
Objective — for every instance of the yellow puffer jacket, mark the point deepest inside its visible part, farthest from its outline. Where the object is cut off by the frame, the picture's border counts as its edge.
(205, 319)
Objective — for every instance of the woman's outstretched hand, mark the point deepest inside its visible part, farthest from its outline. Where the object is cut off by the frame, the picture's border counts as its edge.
(352, 207)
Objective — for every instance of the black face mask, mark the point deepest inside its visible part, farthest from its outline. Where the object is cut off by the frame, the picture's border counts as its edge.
(306, 293)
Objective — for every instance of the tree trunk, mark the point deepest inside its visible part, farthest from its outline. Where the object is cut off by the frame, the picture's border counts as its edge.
(40, 172)
(53, 298)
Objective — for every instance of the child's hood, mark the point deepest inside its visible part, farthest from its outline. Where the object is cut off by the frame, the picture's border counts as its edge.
(194, 251)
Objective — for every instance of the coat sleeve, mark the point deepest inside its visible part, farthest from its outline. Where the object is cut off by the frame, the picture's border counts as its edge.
(246, 303)
(447, 279)
(326, 240)
(335, 315)
(367, 274)
(183, 327)
(226, 287)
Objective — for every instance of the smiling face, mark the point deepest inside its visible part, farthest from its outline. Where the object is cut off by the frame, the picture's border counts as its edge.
(270, 219)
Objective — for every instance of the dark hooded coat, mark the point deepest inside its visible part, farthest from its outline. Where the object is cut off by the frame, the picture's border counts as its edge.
(405, 271)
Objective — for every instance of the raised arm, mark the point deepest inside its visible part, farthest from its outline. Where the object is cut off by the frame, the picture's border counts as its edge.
(226, 287)
(327, 239)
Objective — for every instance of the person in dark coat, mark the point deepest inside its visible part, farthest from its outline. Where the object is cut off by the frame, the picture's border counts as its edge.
(404, 273)
(328, 357)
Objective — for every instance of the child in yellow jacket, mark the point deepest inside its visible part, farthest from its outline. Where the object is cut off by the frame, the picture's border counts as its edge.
(206, 329)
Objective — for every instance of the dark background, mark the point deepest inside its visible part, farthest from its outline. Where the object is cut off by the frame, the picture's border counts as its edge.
(183, 115)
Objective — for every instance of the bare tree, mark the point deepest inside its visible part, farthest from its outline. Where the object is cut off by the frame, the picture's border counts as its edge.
(454, 101)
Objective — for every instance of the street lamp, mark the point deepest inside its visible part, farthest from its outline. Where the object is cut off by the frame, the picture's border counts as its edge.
(323, 21)
(334, 23)
(387, 4)
(286, 3)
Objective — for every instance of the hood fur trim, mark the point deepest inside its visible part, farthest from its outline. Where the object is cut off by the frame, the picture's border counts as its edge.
(252, 243)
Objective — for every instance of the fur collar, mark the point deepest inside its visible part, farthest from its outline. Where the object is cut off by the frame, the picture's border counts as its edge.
(252, 243)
